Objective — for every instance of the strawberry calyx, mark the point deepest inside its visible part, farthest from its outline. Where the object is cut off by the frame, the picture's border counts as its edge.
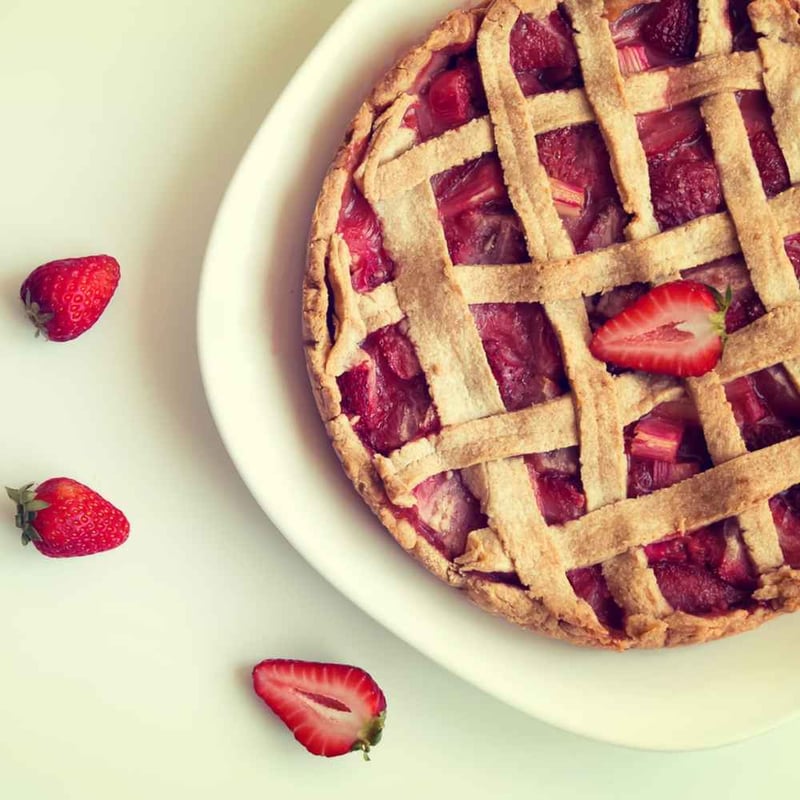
(723, 301)
(36, 315)
(28, 505)
(369, 735)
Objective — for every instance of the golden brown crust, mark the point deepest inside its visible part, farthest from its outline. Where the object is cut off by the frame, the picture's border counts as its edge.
(478, 436)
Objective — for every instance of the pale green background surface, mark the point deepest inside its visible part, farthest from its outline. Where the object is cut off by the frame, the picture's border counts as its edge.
(127, 675)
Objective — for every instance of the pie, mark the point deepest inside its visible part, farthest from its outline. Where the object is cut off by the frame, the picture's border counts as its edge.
(507, 188)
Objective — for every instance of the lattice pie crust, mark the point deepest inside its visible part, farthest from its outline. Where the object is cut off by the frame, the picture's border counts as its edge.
(478, 435)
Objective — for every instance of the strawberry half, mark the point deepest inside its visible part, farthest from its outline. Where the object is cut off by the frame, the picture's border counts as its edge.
(675, 329)
(331, 709)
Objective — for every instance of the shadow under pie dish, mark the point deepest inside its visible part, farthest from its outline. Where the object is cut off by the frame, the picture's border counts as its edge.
(513, 183)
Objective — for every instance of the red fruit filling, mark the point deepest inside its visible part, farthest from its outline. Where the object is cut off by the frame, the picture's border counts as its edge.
(557, 484)
(656, 34)
(543, 55)
(386, 395)
(769, 159)
(360, 228)
(766, 406)
(445, 513)
(786, 514)
(683, 177)
(664, 447)
(583, 187)
(479, 223)
(744, 37)
(451, 95)
(707, 571)
(590, 584)
(731, 273)
(523, 352)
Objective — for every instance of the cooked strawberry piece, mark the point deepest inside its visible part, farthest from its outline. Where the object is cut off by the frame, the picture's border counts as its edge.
(454, 97)
(672, 28)
(657, 439)
(474, 185)
(577, 156)
(684, 189)
(705, 547)
(786, 514)
(770, 162)
(662, 131)
(359, 226)
(560, 497)
(777, 391)
(731, 273)
(766, 406)
(694, 590)
(448, 511)
(479, 223)
(564, 461)
(672, 550)
(606, 228)
(543, 55)
(399, 353)
(522, 350)
(736, 567)
(331, 709)
(577, 163)
(675, 329)
(390, 409)
(590, 584)
(744, 37)
(792, 244)
(485, 237)
(747, 406)
(633, 59)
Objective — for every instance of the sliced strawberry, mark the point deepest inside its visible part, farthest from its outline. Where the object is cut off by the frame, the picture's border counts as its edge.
(361, 230)
(590, 585)
(448, 511)
(684, 189)
(662, 131)
(522, 350)
(675, 329)
(331, 709)
(672, 549)
(657, 439)
(672, 28)
(578, 157)
(359, 388)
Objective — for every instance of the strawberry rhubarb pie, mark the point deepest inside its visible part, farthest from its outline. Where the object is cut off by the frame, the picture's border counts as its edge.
(551, 313)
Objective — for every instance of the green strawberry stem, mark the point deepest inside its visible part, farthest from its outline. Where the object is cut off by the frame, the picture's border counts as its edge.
(27, 508)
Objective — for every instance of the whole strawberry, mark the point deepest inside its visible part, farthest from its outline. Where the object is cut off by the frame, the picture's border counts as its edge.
(65, 298)
(332, 709)
(64, 518)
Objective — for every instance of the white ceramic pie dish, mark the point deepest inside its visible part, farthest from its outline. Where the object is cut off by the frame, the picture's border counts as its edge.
(254, 374)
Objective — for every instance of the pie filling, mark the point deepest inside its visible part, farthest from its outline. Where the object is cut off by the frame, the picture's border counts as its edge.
(705, 571)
